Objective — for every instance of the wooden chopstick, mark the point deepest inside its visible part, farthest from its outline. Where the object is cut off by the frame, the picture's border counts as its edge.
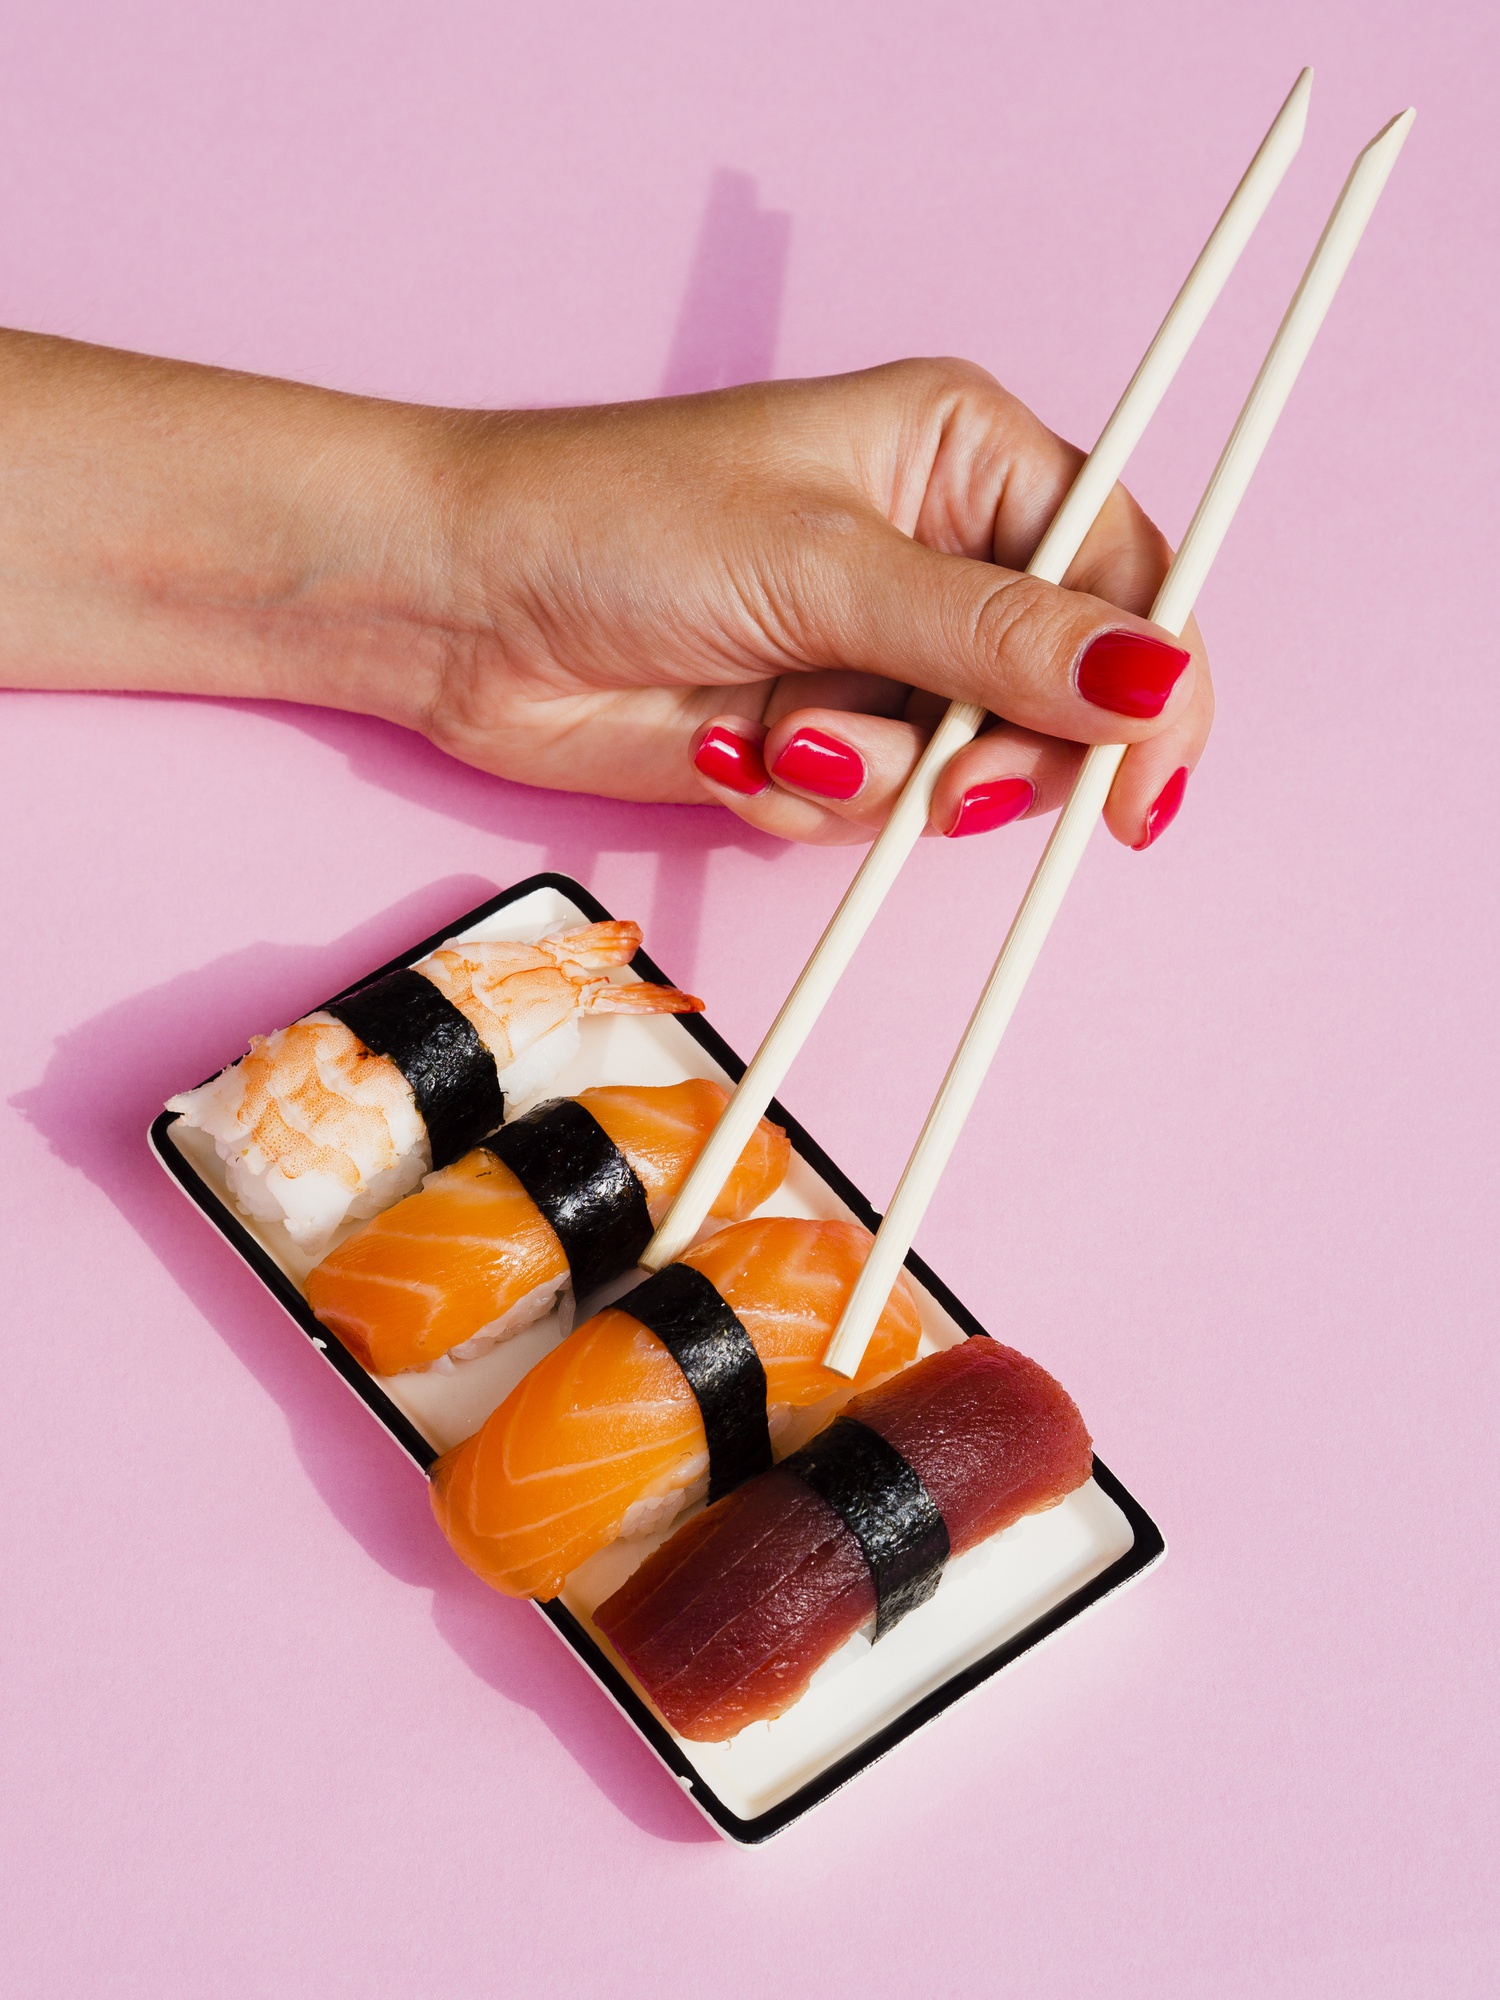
(1070, 836)
(908, 818)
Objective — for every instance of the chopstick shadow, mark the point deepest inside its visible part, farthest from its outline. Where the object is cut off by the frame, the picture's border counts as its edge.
(105, 1082)
(729, 323)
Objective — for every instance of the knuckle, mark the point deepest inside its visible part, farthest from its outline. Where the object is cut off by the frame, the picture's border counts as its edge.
(1025, 627)
(955, 372)
(942, 380)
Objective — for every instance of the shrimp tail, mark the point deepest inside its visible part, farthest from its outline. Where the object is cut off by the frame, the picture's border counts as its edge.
(639, 999)
(613, 943)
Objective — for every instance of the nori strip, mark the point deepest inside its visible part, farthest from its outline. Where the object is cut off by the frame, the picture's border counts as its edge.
(723, 1370)
(583, 1184)
(883, 1503)
(404, 1018)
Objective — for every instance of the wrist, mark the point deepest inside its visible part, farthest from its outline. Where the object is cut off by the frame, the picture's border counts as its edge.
(366, 618)
(494, 513)
(254, 538)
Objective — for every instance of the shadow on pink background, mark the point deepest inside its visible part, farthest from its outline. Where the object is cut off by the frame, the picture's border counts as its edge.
(91, 1103)
(104, 1080)
(1234, 1177)
(731, 310)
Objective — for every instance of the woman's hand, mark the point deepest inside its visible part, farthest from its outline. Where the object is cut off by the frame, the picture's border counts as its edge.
(787, 582)
(763, 596)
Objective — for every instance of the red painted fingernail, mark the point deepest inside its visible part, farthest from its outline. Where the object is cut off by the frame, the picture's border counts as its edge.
(732, 761)
(983, 807)
(1130, 673)
(1168, 804)
(820, 764)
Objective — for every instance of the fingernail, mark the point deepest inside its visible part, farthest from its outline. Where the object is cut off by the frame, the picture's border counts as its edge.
(732, 761)
(820, 764)
(1168, 804)
(1130, 673)
(984, 807)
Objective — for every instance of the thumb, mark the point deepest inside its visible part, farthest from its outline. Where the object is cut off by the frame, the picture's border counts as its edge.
(1060, 662)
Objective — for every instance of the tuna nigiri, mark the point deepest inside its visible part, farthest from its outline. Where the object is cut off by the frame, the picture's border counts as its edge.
(727, 1622)
(343, 1112)
(605, 1437)
(471, 1258)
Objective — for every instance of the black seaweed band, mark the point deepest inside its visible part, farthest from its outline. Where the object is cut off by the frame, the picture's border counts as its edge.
(584, 1186)
(404, 1018)
(882, 1502)
(723, 1370)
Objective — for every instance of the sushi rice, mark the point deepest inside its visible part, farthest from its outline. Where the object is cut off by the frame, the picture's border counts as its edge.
(313, 1130)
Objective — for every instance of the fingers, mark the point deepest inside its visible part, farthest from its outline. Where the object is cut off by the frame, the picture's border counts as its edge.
(1124, 558)
(827, 773)
(924, 589)
(975, 790)
(852, 765)
(1004, 775)
(831, 774)
(1149, 787)
(1060, 662)
(896, 590)
(729, 757)
(994, 477)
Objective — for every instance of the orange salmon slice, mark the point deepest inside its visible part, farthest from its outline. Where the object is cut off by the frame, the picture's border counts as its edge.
(607, 1420)
(470, 1246)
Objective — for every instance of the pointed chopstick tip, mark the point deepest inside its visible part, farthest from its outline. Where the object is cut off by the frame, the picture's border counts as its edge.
(1392, 135)
(1289, 126)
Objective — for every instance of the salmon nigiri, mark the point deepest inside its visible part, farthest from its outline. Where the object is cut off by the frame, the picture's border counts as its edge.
(471, 1259)
(605, 1438)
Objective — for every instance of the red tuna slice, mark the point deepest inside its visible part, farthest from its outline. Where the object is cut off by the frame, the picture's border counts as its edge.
(728, 1621)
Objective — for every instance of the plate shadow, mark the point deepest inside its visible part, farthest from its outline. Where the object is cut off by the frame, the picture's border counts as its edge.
(108, 1077)
(105, 1081)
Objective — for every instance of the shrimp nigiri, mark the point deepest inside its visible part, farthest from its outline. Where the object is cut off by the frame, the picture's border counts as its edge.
(315, 1125)
(471, 1258)
(605, 1438)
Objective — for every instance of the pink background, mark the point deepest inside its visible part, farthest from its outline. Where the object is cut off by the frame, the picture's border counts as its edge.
(1233, 1177)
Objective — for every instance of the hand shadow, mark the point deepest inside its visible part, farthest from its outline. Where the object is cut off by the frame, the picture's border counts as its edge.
(105, 1082)
(568, 831)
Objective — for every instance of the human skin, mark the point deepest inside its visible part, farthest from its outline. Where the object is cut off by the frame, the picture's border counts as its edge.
(576, 598)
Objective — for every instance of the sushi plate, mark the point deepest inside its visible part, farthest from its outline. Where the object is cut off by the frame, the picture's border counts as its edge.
(993, 1605)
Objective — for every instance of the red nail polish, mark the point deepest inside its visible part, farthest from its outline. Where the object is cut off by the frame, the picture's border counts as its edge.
(732, 761)
(820, 764)
(983, 807)
(1130, 673)
(1168, 804)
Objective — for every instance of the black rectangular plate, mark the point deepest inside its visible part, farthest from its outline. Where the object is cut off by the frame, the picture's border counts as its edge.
(1148, 1546)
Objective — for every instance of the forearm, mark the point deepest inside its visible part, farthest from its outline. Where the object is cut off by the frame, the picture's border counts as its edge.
(184, 529)
(582, 598)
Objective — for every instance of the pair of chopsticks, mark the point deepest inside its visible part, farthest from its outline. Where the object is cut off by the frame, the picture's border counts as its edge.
(1064, 850)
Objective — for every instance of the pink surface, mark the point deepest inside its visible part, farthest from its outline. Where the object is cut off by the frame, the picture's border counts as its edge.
(1234, 1176)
